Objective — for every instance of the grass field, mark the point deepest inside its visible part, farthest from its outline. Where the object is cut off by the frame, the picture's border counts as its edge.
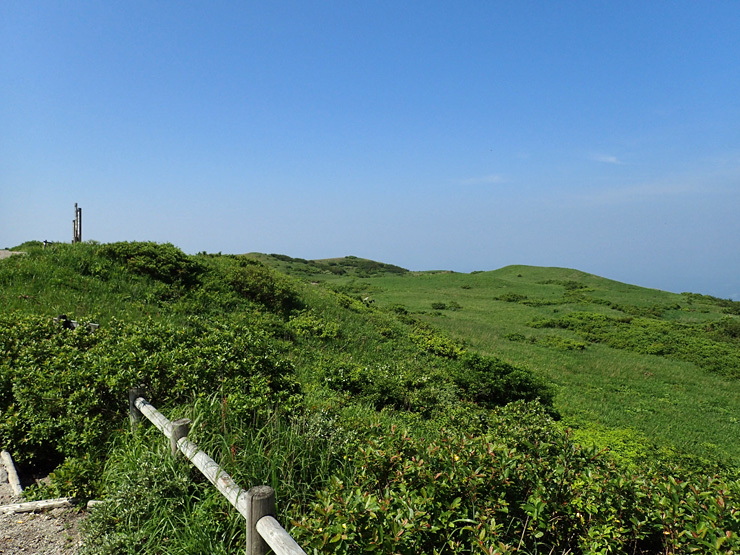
(615, 394)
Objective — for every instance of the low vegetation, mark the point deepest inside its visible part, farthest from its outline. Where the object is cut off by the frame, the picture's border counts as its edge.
(383, 427)
(625, 362)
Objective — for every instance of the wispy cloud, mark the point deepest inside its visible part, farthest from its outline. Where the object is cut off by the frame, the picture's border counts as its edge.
(643, 191)
(719, 175)
(483, 180)
(606, 159)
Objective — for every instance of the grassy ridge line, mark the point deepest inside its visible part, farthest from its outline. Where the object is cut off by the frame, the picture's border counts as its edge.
(613, 395)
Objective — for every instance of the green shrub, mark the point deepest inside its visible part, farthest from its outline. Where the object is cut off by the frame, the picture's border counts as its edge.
(258, 283)
(347, 377)
(562, 343)
(726, 329)
(687, 342)
(309, 323)
(162, 262)
(511, 298)
(525, 487)
(63, 392)
(356, 305)
(388, 386)
(432, 342)
(515, 336)
(491, 382)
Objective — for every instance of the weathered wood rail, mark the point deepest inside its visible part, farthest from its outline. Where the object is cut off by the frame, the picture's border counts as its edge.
(257, 505)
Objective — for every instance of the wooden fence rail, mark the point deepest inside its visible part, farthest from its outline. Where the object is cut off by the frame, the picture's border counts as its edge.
(257, 505)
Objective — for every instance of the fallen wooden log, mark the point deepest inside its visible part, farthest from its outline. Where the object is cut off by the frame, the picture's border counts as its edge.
(31, 506)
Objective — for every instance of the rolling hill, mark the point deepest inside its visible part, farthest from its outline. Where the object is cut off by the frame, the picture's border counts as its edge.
(661, 367)
(525, 410)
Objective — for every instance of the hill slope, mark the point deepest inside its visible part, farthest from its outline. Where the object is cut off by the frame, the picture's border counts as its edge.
(379, 432)
(629, 363)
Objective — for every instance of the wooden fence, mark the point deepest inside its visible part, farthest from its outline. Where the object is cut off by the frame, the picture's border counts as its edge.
(257, 505)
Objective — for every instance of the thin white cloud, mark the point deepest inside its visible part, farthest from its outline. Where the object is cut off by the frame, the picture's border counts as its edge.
(719, 175)
(606, 159)
(483, 180)
(644, 191)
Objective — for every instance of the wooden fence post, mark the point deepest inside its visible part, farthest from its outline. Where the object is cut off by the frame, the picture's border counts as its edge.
(134, 413)
(180, 428)
(260, 502)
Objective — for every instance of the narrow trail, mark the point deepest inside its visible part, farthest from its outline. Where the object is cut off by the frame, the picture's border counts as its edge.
(52, 532)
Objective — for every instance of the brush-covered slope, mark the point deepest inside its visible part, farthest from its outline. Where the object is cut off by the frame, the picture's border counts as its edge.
(379, 432)
(191, 326)
(631, 366)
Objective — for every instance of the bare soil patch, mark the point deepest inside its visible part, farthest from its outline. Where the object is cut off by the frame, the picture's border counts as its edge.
(53, 532)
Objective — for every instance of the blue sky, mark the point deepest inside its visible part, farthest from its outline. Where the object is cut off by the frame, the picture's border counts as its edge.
(602, 136)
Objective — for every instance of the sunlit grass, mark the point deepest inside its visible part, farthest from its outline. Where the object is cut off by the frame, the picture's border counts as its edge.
(674, 404)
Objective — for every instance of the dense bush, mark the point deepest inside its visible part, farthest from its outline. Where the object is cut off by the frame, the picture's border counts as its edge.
(63, 392)
(562, 343)
(490, 382)
(162, 262)
(511, 298)
(525, 487)
(261, 284)
(394, 386)
(728, 305)
(310, 323)
(435, 343)
(726, 329)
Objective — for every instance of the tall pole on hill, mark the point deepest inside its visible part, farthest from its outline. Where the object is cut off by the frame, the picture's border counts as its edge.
(77, 232)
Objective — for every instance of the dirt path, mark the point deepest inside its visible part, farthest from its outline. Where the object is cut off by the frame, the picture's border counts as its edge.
(54, 532)
(8, 254)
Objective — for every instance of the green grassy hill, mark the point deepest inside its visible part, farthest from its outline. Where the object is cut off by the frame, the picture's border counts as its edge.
(661, 368)
(392, 411)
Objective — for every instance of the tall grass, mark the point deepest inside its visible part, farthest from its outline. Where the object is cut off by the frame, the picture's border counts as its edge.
(177, 510)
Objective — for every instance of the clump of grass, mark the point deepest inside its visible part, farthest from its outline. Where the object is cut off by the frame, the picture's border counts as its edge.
(155, 503)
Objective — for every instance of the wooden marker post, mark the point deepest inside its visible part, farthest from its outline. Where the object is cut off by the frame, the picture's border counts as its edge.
(77, 223)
